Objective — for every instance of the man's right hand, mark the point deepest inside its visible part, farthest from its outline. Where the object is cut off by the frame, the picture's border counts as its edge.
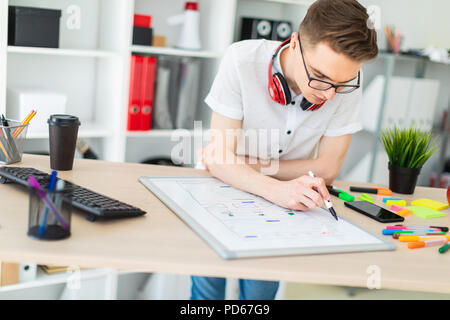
(299, 194)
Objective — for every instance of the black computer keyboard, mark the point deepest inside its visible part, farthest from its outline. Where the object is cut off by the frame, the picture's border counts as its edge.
(95, 204)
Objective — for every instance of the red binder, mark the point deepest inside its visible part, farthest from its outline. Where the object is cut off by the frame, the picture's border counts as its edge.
(148, 92)
(141, 20)
(135, 95)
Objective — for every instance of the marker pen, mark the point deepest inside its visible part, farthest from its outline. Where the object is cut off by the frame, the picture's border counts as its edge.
(426, 243)
(328, 203)
(375, 190)
(422, 238)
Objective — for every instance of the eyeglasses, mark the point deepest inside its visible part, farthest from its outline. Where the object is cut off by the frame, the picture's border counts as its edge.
(325, 85)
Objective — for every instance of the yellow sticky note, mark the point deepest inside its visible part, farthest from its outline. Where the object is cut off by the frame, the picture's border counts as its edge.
(400, 203)
(425, 212)
(435, 205)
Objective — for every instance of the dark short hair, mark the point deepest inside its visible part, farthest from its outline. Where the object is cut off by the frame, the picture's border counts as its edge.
(343, 25)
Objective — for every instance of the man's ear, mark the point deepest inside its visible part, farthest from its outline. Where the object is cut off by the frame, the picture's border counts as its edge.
(294, 40)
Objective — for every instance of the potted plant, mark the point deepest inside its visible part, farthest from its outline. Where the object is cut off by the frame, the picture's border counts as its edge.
(408, 149)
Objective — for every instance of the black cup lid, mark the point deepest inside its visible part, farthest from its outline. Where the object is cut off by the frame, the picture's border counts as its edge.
(63, 120)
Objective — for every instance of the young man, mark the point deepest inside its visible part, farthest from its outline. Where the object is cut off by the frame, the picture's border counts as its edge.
(306, 95)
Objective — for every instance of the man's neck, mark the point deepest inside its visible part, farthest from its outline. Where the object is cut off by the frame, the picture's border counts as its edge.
(285, 61)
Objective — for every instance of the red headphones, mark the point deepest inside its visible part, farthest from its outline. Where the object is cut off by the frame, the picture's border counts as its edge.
(279, 90)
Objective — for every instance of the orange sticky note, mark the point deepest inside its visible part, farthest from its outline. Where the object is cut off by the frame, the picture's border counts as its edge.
(403, 213)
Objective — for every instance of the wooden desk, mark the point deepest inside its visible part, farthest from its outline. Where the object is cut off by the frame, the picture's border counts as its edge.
(161, 242)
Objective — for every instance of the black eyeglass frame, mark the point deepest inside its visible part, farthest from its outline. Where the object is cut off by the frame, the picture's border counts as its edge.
(331, 85)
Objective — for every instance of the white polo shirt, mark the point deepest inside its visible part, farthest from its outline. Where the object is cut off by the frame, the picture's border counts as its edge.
(282, 132)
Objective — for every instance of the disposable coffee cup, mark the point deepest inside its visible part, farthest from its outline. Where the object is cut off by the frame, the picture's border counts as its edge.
(63, 133)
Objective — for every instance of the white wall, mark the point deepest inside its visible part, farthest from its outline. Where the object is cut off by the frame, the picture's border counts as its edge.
(423, 23)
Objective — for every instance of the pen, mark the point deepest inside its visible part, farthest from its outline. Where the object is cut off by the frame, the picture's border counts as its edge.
(389, 37)
(414, 228)
(445, 229)
(35, 184)
(444, 248)
(426, 243)
(340, 194)
(10, 140)
(388, 232)
(375, 190)
(418, 232)
(328, 203)
(51, 187)
(397, 235)
(4, 150)
(24, 123)
(333, 191)
(58, 199)
(422, 238)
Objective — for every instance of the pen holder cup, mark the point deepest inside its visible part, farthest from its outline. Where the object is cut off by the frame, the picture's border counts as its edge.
(50, 213)
(12, 141)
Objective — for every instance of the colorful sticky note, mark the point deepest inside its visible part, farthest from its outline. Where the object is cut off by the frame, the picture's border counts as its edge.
(403, 213)
(396, 202)
(400, 211)
(435, 205)
(425, 213)
(386, 199)
(396, 208)
(366, 197)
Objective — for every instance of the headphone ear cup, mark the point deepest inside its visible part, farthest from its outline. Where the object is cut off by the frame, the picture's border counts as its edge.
(273, 91)
(283, 88)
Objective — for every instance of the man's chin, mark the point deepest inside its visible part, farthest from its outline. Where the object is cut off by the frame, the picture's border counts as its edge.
(315, 100)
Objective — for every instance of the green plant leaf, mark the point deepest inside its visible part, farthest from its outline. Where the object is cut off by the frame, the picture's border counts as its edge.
(409, 147)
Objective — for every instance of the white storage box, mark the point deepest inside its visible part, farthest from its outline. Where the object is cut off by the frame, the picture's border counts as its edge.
(20, 102)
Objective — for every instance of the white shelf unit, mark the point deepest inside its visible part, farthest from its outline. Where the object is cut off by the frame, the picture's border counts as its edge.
(88, 67)
(92, 67)
(175, 52)
(90, 130)
(63, 52)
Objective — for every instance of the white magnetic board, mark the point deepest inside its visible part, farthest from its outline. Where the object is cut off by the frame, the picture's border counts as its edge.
(238, 224)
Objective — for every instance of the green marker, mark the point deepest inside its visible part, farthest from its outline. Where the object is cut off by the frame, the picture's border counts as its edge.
(340, 194)
(420, 232)
(291, 213)
(345, 196)
(444, 248)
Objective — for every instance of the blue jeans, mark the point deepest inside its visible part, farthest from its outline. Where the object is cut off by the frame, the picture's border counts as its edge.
(207, 288)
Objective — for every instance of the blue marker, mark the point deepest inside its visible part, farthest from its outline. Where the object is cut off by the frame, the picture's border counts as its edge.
(51, 187)
(388, 232)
